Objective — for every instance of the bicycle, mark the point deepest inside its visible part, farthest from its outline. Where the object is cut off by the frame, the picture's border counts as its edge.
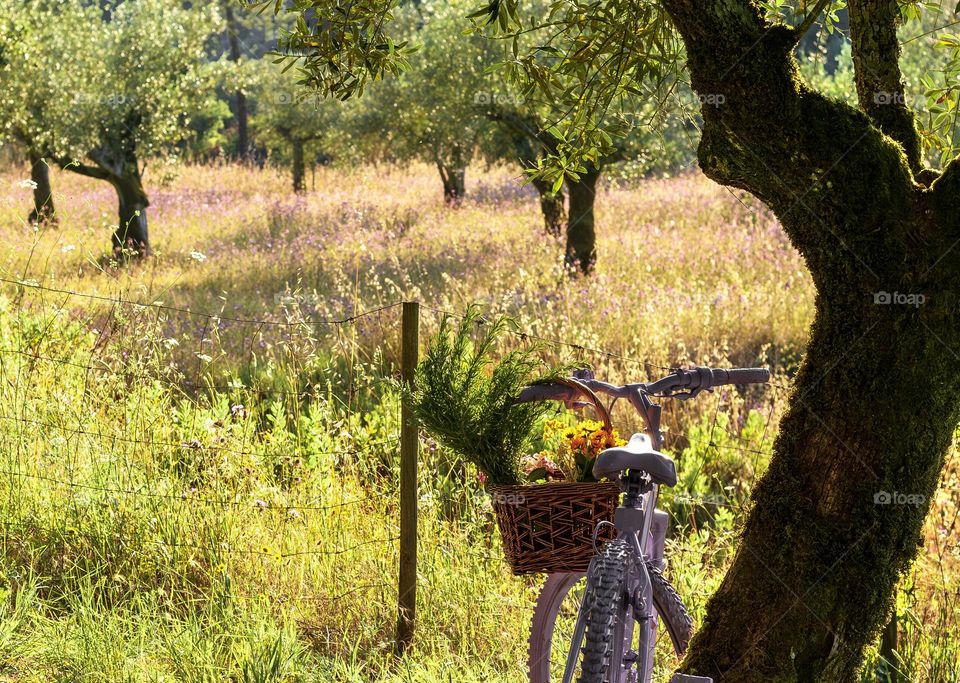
(624, 589)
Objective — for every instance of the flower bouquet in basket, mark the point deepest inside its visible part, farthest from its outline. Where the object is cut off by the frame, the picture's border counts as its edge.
(569, 451)
(547, 503)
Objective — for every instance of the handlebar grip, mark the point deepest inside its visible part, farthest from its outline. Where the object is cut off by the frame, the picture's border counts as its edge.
(740, 376)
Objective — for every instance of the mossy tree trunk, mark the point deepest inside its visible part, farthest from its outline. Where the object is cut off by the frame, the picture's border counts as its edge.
(581, 253)
(876, 399)
(43, 209)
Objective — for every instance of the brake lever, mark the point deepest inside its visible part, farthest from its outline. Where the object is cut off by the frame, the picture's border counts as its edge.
(684, 395)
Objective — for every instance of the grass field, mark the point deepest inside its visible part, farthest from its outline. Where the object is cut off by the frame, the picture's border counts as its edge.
(200, 482)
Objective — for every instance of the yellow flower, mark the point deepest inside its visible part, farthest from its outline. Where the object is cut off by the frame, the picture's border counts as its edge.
(551, 427)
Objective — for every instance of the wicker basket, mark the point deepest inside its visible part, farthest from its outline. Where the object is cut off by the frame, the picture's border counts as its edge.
(549, 527)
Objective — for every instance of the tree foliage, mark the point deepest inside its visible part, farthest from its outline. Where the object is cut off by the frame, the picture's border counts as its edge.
(293, 125)
(125, 80)
(434, 109)
(584, 63)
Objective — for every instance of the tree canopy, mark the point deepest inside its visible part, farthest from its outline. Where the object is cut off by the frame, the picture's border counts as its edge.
(584, 61)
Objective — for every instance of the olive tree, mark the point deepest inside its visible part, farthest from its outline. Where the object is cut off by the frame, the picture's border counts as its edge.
(114, 92)
(535, 141)
(290, 123)
(28, 96)
(430, 111)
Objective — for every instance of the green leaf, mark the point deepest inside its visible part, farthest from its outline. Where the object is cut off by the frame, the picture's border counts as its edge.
(557, 184)
(538, 474)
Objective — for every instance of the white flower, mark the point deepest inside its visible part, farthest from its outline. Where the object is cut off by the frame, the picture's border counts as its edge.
(67, 248)
(27, 184)
(197, 256)
(170, 342)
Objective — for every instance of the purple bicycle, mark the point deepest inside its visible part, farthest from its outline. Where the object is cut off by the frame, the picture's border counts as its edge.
(606, 620)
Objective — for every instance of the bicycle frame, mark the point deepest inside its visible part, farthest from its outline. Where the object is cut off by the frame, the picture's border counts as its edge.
(637, 524)
(633, 520)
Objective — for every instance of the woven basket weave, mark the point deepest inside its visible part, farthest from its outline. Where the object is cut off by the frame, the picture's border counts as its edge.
(549, 527)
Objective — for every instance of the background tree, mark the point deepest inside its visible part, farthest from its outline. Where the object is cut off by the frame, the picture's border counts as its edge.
(643, 118)
(232, 26)
(292, 125)
(126, 80)
(821, 555)
(27, 94)
(534, 142)
(246, 39)
(43, 210)
(430, 112)
(527, 143)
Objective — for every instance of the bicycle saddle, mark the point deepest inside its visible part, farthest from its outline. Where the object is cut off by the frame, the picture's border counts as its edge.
(637, 454)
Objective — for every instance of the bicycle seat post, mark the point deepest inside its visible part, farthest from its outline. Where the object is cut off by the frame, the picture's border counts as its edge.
(634, 484)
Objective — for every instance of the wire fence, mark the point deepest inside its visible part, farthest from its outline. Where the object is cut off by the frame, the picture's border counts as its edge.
(150, 438)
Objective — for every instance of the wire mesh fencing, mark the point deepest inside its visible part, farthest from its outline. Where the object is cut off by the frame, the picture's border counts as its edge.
(215, 459)
(212, 457)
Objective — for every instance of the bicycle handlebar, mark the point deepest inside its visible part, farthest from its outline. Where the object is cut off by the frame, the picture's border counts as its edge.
(702, 379)
(688, 383)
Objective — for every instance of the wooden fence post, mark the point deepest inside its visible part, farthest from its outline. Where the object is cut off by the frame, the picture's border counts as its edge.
(409, 452)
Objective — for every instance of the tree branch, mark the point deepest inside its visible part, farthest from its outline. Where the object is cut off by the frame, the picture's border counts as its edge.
(810, 19)
(524, 125)
(876, 63)
(84, 169)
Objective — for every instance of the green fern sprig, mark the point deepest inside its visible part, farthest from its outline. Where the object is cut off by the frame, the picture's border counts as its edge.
(464, 395)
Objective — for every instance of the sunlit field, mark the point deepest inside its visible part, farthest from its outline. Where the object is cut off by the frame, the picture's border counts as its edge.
(200, 451)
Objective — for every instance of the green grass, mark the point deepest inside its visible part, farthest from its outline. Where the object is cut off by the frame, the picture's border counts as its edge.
(197, 499)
